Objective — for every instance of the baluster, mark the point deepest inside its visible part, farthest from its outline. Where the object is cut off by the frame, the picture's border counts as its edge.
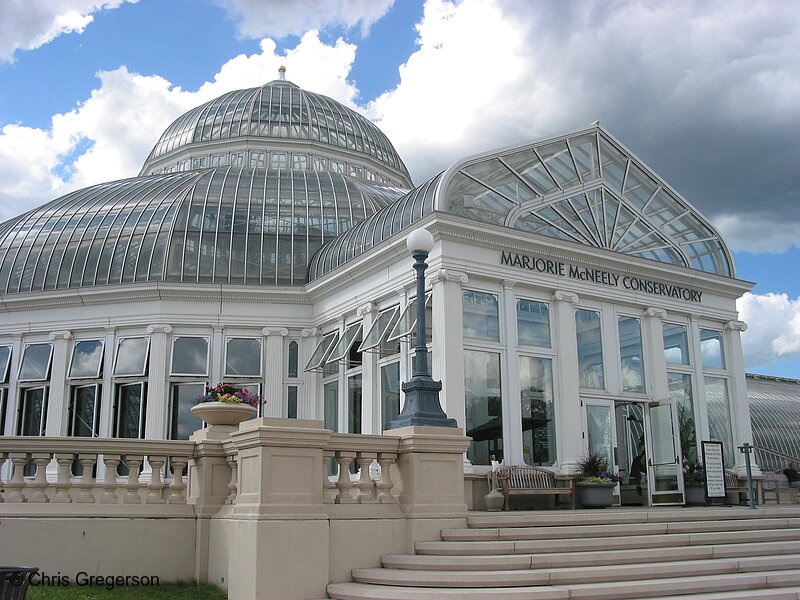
(2, 461)
(177, 486)
(133, 484)
(110, 482)
(39, 483)
(156, 484)
(233, 481)
(87, 477)
(328, 487)
(343, 483)
(365, 484)
(385, 483)
(16, 484)
(63, 483)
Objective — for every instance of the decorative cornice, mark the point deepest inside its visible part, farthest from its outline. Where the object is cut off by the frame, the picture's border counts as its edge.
(60, 335)
(159, 328)
(562, 296)
(311, 332)
(736, 325)
(111, 329)
(281, 331)
(448, 275)
(365, 309)
(508, 285)
(658, 313)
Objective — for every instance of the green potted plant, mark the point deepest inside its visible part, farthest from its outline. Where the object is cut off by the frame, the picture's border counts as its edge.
(226, 404)
(694, 482)
(595, 487)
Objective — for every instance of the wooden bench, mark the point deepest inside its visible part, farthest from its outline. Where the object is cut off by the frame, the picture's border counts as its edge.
(523, 480)
(778, 484)
(734, 486)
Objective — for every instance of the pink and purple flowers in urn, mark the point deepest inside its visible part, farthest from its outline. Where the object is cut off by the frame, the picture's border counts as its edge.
(229, 394)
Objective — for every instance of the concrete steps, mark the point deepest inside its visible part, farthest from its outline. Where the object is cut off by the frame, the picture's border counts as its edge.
(709, 554)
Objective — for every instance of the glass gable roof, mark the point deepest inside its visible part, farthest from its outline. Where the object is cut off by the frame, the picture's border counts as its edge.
(584, 187)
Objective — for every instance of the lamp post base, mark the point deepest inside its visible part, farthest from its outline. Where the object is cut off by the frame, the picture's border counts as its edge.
(422, 406)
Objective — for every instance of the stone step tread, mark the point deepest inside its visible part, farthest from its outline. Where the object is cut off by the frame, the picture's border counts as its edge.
(595, 517)
(706, 584)
(782, 593)
(584, 531)
(572, 575)
(594, 544)
(583, 559)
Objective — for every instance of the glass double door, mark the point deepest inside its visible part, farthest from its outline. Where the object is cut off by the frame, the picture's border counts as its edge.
(640, 442)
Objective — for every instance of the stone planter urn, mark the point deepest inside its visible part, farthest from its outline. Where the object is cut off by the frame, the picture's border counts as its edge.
(595, 494)
(695, 495)
(223, 413)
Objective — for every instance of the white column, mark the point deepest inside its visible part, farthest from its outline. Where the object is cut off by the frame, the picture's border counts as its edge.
(309, 399)
(58, 395)
(107, 389)
(371, 401)
(512, 407)
(217, 350)
(655, 363)
(448, 341)
(568, 400)
(13, 402)
(274, 368)
(740, 407)
(157, 425)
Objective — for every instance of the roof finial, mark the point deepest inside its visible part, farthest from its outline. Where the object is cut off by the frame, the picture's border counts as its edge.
(282, 73)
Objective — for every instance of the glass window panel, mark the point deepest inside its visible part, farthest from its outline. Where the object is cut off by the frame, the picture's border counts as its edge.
(5, 360)
(354, 402)
(481, 317)
(538, 414)
(330, 392)
(189, 356)
(598, 431)
(711, 349)
(470, 199)
(680, 393)
(484, 407)
(527, 165)
(719, 416)
(613, 164)
(631, 356)
(590, 349)
(33, 411)
(584, 150)
(291, 402)
(377, 332)
(408, 320)
(35, 362)
(533, 323)
(676, 344)
(87, 359)
(132, 356)
(3, 406)
(494, 174)
(299, 161)
(184, 397)
(559, 163)
(343, 347)
(130, 411)
(321, 351)
(243, 357)
(390, 393)
(84, 417)
(293, 359)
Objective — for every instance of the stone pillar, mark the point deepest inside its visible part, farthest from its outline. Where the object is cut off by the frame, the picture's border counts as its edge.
(157, 425)
(58, 395)
(448, 341)
(655, 364)
(512, 407)
(740, 408)
(565, 375)
(217, 350)
(274, 369)
(309, 402)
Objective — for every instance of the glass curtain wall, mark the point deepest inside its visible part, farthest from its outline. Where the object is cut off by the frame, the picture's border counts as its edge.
(484, 407)
(631, 356)
(590, 349)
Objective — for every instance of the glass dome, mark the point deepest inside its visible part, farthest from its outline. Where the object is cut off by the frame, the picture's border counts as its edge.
(233, 225)
(283, 116)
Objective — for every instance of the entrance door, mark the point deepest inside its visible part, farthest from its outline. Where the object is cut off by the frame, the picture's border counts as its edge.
(664, 451)
(631, 453)
(601, 433)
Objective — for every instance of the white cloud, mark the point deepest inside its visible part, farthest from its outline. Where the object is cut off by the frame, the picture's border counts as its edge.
(773, 331)
(109, 135)
(28, 24)
(279, 18)
(747, 232)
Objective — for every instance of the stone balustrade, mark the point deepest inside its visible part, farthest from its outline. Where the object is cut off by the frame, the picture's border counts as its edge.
(372, 456)
(155, 472)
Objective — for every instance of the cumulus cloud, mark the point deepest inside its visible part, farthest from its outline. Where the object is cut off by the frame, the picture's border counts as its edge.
(704, 92)
(28, 24)
(758, 234)
(109, 135)
(279, 18)
(773, 331)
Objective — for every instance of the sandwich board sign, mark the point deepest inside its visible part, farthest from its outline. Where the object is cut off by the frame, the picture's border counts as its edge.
(715, 469)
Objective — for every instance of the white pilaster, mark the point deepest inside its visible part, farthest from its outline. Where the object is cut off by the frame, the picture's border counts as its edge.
(58, 396)
(309, 400)
(107, 389)
(568, 400)
(12, 405)
(740, 408)
(217, 350)
(274, 368)
(512, 406)
(655, 363)
(157, 425)
(371, 401)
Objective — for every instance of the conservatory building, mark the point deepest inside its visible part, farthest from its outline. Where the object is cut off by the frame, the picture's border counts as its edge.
(576, 301)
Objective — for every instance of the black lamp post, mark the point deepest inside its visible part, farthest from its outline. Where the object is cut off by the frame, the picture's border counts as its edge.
(422, 392)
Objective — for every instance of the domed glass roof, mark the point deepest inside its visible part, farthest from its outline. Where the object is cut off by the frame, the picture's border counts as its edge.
(279, 111)
(233, 225)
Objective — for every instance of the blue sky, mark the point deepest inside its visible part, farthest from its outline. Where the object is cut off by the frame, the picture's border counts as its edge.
(704, 93)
